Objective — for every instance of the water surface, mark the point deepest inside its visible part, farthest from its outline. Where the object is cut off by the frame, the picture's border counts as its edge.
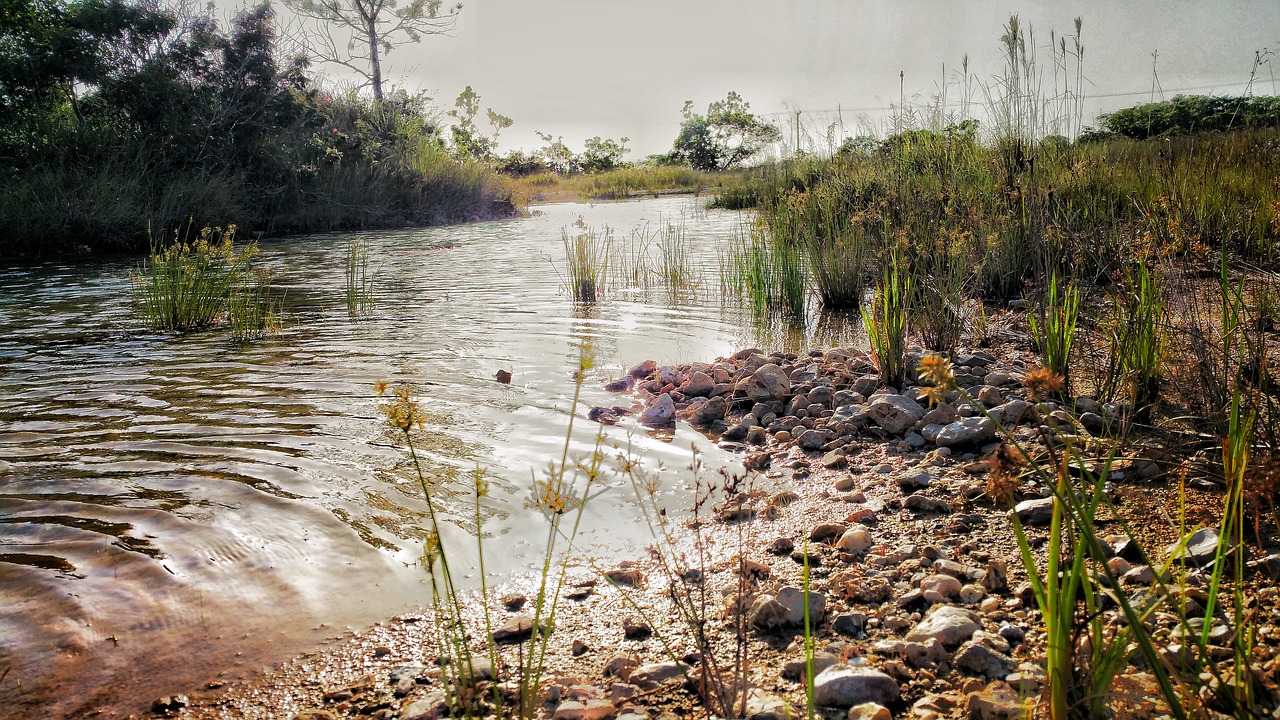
(177, 506)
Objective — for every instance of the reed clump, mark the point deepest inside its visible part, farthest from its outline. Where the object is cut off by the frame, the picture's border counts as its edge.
(194, 283)
(589, 256)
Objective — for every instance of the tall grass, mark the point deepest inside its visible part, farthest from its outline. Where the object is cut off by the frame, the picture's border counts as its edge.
(561, 496)
(358, 280)
(886, 322)
(188, 284)
(589, 255)
(1053, 326)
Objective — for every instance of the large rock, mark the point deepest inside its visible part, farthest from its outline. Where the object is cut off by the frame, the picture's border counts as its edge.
(1035, 512)
(661, 413)
(770, 382)
(856, 539)
(895, 413)
(947, 624)
(518, 629)
(700, 384)
(653, 675)
(814, 439)
(792, 599)
(431, 707)
(1201, 547)
(841, 686)
(710, 411)
(589, 710)
(977, 658)
(966, 431)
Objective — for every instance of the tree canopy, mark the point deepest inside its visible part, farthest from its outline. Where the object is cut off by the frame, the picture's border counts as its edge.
(726, 136)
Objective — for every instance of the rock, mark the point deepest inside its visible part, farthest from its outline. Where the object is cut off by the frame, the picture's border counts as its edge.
(895, 413)
(653, 675)
(1012, 634)
(944, 586)
(315, 715)
(997, 702)
(661, 413)
(770, 382)
(781, 546)
(643, 370)
(579, 648)
(1093, 422)
(856, 539)
(869, 711)
(699, 384)
(814, 439)
(1035, 512)
(941, 414)
(795, 669)
(841, 686)
(627, 577)
(432, 707)
(517, 629)
(620, 666)
(947, 624)
(911, 482)
(710, 411)
(736, 433)
(976, 658)
(1201, 546)
(834, 459)
(760, 706)
(791, 598)
(870, 589)
(825, 531)
(767, 613)
(592, 709)
(170, 704)
(622, 384)
(966, 431)
(503, 377)
(851, 624)
(636, 629)
(513, 602)
(921, 503)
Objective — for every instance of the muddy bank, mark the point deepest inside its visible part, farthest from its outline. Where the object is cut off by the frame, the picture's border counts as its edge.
(898, 509)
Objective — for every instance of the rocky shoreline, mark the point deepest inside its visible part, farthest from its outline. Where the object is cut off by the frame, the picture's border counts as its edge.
(895, 505)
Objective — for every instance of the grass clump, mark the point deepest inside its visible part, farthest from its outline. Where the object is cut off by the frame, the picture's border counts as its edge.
(589, 255)
(886, 322)
(192, 284)
(358, 280)
(1053, 326)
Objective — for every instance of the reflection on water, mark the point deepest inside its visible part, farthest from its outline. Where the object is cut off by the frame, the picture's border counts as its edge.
(172, 506)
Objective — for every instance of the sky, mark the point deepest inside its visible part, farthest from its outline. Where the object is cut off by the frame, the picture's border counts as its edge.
(579, 68)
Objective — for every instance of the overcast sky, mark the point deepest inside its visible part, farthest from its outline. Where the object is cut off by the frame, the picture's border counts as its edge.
(579, 68)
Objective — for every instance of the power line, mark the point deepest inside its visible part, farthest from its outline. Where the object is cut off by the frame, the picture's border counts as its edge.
(876, 108)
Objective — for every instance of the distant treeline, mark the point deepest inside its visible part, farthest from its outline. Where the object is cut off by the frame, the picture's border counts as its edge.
(1194, 113)
(115, 117)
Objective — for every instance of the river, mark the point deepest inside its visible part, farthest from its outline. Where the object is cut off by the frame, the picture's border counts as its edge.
(179, 508)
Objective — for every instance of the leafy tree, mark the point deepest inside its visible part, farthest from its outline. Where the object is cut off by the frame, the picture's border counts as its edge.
(376, 27)
(557, 156)
(468, 141)
(729, 134)
(603, 154)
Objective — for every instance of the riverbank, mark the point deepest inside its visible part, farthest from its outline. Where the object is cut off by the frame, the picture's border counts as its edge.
(898, 511)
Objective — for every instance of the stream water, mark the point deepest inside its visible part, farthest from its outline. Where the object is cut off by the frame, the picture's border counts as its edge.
(175, 507)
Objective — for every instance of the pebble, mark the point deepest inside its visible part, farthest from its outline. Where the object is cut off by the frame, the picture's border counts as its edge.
(856, 539)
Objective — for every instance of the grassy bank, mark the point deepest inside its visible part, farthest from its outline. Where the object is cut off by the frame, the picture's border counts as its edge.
(622, 183)
(215, 128)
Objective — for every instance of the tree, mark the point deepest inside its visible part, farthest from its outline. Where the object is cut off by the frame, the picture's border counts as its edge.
(376, 27)
(727, 135)
(603, 154)
(468, 141)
